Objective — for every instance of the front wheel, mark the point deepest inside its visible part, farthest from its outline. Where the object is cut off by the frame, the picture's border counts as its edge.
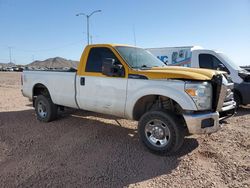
(161, 132)
(46, 110)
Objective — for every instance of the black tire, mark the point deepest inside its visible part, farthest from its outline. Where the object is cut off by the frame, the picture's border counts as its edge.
(46, 110)
(174, 126)
(237, 99)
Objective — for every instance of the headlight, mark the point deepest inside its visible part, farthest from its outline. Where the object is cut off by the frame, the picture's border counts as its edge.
(201, 93)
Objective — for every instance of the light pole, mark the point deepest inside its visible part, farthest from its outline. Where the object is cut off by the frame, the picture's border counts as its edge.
(10, 48)
(88, 16)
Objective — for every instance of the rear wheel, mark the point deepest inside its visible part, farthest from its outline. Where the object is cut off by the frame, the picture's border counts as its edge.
(46, 110)
(161, 132)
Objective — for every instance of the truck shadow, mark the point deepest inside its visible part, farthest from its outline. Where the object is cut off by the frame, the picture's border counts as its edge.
(243, 110)
(79, 149)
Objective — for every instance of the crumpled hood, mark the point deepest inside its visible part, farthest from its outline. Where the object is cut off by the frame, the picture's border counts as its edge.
(176, 72)
(245, 75)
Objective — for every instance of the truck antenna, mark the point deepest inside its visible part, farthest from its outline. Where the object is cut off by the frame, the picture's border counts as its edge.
(134, 35)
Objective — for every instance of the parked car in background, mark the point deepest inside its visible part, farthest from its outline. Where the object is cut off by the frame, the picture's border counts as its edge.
(246, 68)
(11, 69)
(198, 57)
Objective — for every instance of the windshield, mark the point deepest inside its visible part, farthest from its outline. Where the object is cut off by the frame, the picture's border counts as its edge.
(229, 61)
(139, 58)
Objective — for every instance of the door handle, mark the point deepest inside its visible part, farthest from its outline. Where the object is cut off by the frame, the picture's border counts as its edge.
(82, 81)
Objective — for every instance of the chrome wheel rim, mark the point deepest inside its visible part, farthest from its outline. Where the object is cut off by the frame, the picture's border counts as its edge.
(41, 108)
(157, 133)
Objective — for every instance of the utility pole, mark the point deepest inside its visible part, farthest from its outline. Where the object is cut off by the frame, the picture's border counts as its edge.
(10, 48)
(88, 28)
(91, 37)
(88, 16)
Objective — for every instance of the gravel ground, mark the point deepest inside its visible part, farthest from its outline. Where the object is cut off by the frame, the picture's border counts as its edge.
(85, 149)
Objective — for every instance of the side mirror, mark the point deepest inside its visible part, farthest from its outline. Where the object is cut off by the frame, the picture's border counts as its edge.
(111, 68)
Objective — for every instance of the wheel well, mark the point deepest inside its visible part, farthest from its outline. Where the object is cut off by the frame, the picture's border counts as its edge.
(154, 102)
(239, 94)
(40, 89)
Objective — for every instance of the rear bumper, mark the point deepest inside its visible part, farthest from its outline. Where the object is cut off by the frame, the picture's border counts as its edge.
(23, 93)
(202, 123)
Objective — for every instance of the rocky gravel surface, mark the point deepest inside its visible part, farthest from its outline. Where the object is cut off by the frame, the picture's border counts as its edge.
(85, 149)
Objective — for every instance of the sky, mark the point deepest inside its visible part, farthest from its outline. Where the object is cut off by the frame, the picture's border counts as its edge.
(40, 29)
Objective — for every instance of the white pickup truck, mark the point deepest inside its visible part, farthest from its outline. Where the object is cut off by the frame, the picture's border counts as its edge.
(129, 82)
(198, 57)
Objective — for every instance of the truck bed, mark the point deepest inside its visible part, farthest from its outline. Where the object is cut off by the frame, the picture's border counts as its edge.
(60, 83)
(54, 70)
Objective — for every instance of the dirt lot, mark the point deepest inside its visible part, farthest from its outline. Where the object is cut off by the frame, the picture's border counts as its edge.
(84, 149)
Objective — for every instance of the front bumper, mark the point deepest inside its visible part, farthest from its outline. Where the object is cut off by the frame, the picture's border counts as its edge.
(223, 107)
(202, 123)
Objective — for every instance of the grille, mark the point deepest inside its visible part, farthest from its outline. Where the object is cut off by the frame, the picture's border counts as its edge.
(229, 99)
(222, 92)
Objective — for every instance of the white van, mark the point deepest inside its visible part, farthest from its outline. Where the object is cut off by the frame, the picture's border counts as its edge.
(195, 56)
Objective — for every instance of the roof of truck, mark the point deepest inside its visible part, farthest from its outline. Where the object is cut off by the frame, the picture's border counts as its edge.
(113, 45)
(179, 47)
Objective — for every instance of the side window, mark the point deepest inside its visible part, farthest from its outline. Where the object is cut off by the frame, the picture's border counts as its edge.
(96, 57)
(209, 61)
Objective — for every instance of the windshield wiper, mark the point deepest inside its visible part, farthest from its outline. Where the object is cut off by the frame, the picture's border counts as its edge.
(146, 67)
(142, 67)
